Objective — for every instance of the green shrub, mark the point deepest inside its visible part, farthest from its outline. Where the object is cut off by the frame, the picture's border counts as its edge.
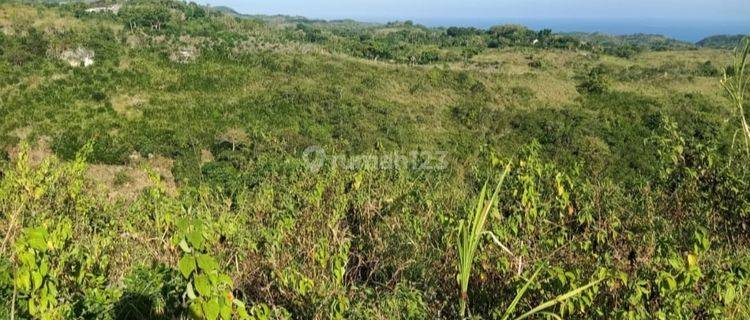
(40, 271)
(595, 82)
(151, 293)
(707, 69)
(208, 289)
(623, 51)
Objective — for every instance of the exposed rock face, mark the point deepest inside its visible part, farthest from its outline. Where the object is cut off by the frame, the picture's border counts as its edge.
(78, 57)
(183, 55)
(112, 9)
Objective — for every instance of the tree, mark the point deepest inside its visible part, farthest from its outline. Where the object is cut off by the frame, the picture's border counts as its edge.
(145, 14)
(462, 32)
(512, 33)
(194, 11)
(544, 34)
(236, 137)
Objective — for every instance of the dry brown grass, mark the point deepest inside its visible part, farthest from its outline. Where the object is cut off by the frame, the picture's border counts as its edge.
(718, 57)
(126, 182)
(16, 18)
(38, 151)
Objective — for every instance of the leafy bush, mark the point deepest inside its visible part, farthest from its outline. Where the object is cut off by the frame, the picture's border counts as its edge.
(594, 83)
(209, 290)
(38, 275)
(151, 293)
(623, 51)
(707, 69)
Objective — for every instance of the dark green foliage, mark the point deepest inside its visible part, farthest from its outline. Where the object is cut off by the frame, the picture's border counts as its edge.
(462, 32)
(108, 148)
(311, 34)
(594, 82)
(707, 69)
(722, 41)
(628, 45)
(507, 35)
(24, 49)
(146, 14)
(623, 51)
(187, 167)
(4, 156)
(151, 293)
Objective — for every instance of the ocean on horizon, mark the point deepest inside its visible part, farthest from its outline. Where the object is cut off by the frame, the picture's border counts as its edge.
(685, 30)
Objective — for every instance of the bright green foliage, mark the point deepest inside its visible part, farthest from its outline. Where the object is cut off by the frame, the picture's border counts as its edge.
(38, 271)
(208, 289)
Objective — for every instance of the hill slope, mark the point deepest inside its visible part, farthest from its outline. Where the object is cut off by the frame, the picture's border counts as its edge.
(171, 160)
(722, 41)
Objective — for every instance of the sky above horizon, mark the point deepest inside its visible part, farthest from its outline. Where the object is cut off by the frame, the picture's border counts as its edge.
(702, 10)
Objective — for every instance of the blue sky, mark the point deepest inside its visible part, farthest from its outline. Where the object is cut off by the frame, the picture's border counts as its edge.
(705, 10)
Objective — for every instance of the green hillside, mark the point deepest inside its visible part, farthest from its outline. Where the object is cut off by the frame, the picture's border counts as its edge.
(722, 41)
(164, 160)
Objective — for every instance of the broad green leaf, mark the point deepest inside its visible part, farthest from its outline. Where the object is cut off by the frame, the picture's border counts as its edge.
(186, 265)
(36, 279)
(196, 239)
(27, 257)
(23, 279)
(671, 282)
(190, 292)
(37, 239)
(44, 268)
(226, 311)
(211, 309)
(207, 263)
(52, 288)
(197, 310)
(184, 246)
(32, 307)
(225, 279)
(729, 295)
(202, 284)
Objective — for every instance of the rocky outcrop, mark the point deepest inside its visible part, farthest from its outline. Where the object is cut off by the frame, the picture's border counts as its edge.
(78, 57)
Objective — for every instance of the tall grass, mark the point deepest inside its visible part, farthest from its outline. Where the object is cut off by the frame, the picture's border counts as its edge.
(736, 84)
(470, 233)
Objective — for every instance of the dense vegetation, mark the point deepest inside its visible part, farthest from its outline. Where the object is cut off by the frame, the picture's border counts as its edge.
(154, 167)
(721, 41)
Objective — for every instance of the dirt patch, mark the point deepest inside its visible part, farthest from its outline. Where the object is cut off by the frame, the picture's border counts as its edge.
(118, 182)
(22, 133)
(206, 156)
(38, 151)
(126, 182)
